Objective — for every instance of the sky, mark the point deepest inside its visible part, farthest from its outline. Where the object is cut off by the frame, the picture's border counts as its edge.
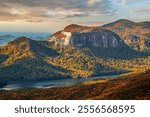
(54, 15)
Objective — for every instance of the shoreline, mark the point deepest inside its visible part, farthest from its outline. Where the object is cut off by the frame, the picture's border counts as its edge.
(53, 82)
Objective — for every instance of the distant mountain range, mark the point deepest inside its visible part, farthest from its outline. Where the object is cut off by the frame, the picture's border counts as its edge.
(78, 52)
(6, 37)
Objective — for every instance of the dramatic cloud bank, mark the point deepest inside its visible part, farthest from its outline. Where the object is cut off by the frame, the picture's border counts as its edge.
(37, 10)
(62, 12)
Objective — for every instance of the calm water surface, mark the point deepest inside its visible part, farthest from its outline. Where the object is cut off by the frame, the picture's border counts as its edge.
(14, 85)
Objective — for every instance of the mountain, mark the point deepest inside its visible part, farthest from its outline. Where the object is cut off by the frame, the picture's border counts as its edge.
(39, 38)
(122, 23)
(98, 40)
(23, 59)
(77, 28)
(81, 36)
(134, 34)
(6, 38)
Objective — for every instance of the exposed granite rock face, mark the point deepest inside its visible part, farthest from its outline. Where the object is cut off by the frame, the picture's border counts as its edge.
(101, 39)
(86, 37)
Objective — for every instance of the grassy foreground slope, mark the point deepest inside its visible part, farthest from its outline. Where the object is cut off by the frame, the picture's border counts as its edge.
(135, 86)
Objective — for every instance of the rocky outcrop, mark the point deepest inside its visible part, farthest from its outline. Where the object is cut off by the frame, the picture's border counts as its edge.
(101, 39)
(80, 36)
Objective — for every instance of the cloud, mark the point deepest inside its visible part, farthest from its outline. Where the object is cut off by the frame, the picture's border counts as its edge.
(91, 2)
(142, 10)
(5, 15)
(38, 10)
(124, 2)
(33, 20)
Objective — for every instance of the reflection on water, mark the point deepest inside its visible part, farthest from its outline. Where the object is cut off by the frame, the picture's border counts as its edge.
(14, 85)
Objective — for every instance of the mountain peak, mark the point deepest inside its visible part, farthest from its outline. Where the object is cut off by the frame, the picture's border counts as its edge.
(124, 20)
(121, 22)
(84, 36)
(76, 28)
(125, 23)
(22, 39)
(73, 26)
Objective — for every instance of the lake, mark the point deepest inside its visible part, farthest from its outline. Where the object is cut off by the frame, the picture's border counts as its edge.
(15, 85)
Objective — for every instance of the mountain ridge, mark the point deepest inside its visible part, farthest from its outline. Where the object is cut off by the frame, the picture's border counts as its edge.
(127, 23)
(134, 34)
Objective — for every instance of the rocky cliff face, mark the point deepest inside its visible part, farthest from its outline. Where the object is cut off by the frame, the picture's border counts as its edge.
(101, 39)
(80, 36)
